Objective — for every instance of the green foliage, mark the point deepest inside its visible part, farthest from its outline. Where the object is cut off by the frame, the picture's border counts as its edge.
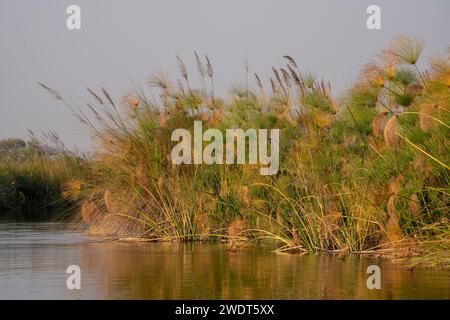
(347, 177)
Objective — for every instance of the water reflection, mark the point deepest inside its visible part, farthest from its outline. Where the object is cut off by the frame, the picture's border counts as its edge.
(34, 256)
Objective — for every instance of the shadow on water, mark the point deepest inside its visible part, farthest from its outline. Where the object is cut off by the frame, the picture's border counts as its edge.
(34, 257)
(41, 215)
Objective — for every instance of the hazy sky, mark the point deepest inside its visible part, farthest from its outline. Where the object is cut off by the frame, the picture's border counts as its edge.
(137, 37)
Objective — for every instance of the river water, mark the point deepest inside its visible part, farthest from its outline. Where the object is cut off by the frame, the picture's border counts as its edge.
(34, 257)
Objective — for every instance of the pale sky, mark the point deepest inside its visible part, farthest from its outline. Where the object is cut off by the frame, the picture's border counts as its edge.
(135, 38)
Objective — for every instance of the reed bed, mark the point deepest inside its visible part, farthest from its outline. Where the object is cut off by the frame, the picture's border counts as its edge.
(33, 173)
(363, 172)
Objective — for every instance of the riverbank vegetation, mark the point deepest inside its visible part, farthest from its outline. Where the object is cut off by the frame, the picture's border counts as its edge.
(363, 172)
(32, 174)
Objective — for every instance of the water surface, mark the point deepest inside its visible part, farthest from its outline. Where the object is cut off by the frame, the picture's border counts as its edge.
(34, 257)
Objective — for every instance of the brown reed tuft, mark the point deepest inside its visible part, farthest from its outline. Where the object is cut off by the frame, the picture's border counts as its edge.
(425, 122)
(163, 119)
(237, 227)
(279, 215)
(52, 92)
(390, 132)
(393, 231)
(161, 183)
(182, 67)
(396, 184)
(258, 82)
(245, 195)
(291, 61)
(89, 212)
(414, 205)
(108, 200)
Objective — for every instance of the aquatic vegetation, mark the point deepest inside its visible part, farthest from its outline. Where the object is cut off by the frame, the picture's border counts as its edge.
(368, 171)
(32, 175)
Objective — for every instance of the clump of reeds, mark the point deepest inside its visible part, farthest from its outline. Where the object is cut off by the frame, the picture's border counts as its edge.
(39, 175)
(357, 173)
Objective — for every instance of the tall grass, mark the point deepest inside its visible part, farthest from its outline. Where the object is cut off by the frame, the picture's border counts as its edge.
(363, 172)
(32, 176)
